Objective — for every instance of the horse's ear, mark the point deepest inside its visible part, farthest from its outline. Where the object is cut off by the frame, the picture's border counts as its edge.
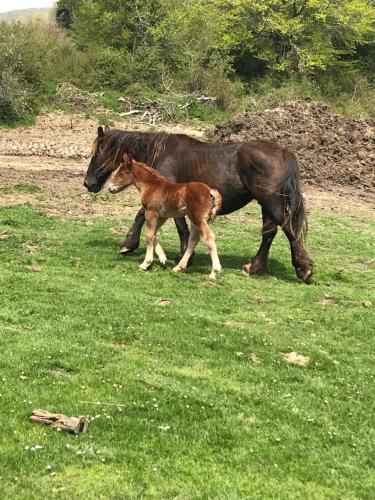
(100, 132)
(106, 128)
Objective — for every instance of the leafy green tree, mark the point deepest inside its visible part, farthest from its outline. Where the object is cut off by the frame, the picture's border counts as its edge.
(298, 36)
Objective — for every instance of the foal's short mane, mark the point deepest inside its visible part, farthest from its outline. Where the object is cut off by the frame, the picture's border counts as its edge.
(147, 145)
(150, 170)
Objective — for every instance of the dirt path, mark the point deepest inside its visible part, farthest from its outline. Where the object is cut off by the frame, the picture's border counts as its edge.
(44, 165)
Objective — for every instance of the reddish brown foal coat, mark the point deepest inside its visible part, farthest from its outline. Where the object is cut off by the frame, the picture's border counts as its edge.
(163, 199)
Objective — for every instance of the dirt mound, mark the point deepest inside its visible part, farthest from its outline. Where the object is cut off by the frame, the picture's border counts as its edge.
(332, 149)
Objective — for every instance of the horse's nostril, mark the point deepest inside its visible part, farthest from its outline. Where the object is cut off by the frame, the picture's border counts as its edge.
(85, 184)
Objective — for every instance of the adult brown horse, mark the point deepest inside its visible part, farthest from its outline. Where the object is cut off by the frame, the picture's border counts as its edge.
(241, 172)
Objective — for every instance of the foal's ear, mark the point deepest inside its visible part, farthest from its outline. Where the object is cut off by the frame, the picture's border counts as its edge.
(100, 132)
(106, 128)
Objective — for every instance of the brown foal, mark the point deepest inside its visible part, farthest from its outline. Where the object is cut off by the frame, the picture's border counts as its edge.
(163, 199)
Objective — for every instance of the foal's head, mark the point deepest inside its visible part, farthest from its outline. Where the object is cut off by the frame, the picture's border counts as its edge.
(123, 177)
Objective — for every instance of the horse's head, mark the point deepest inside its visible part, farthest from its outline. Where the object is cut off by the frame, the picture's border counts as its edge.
(96, 174)
(123, 177)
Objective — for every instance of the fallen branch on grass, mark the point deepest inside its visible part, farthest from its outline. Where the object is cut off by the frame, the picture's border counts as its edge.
(74, 425)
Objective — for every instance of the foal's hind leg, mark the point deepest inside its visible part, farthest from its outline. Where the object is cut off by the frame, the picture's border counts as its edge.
(132, 239)
(258, 264)
(183, 232)
(209, 238)
(192, 243)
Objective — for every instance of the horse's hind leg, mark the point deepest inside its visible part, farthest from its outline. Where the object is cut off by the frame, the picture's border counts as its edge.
(132, 239)
(183, 232)
(192, 243)
(258, 264)
(302, 262)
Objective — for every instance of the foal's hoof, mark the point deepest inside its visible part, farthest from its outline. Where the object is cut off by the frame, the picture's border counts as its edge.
(144, 267)
(177, 269)
(190, 261)
(214, 274)
(163, 263)
(254, 267)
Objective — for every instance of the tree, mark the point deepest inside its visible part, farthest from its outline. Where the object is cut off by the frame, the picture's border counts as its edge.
(297, 35)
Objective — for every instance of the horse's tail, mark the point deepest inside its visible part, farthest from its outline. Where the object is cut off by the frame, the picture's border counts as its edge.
(290, 190)
(216, 201)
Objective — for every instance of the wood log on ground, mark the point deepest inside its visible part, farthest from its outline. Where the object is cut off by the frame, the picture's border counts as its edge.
(74, 425)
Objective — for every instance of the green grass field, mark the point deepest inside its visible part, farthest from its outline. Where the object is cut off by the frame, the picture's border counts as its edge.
(202, 403)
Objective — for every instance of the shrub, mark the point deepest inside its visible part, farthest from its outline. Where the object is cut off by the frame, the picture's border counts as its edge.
(14, 97)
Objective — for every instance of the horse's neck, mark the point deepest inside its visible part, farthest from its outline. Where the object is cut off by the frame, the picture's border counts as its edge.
(137, 148)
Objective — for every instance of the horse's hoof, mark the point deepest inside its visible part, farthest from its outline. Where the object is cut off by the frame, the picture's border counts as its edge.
(144, 267)
(305, 276)
(125, 250)
(163, 263)
(246, 269)
(257, 267)
(177, 269)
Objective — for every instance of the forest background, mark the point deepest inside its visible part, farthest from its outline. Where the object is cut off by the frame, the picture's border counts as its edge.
(244, 54)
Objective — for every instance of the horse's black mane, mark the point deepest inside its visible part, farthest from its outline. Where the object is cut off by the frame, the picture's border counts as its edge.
(145, 146)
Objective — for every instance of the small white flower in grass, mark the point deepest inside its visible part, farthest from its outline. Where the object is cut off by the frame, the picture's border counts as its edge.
(164, 427)
(67, 445)
(27, 447)
(49, 467)
(154, 469)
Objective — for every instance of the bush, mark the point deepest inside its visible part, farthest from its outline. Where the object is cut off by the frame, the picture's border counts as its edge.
(14, 97)
(34, 57)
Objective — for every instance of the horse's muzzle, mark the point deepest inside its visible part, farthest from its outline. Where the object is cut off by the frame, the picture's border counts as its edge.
(93, 188)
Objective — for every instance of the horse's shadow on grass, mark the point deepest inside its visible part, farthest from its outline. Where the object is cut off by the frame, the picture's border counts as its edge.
(202, 263)
(235, 263)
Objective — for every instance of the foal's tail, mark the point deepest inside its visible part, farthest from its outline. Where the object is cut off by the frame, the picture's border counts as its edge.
(216, 201)
(295, 213)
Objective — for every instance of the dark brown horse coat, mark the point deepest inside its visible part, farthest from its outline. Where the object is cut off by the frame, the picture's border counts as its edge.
(241, 172)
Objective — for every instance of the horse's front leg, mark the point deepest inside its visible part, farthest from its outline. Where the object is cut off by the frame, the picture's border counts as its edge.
(132, 239)
(258, 264)
(183, 232)
(152, 225)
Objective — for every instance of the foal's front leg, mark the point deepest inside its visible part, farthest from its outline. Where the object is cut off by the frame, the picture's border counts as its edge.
(152, 225)
(158, 249)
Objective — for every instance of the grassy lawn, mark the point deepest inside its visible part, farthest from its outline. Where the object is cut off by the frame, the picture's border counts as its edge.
(203, 404)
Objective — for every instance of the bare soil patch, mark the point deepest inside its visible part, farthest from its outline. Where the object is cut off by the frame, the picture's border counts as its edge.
(54, 157)
(332, 149)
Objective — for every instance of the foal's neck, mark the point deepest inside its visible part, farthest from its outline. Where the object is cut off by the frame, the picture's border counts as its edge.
(142, 177)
